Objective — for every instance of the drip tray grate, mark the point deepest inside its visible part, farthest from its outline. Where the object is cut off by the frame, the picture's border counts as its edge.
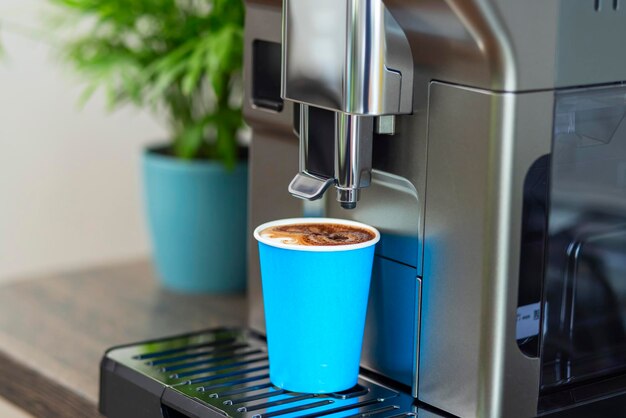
(219, 373)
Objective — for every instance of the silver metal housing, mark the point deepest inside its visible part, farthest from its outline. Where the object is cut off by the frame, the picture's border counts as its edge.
(484, 75)
(348, 56)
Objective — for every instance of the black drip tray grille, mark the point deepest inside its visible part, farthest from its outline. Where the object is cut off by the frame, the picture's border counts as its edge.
(227, 372)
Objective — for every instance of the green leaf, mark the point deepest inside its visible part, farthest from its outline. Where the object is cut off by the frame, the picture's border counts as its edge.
(195, 67)
(189, 142)
(181, 57)
(87, 93)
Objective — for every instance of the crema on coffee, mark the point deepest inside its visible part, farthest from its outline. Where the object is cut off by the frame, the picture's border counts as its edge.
(322, 234)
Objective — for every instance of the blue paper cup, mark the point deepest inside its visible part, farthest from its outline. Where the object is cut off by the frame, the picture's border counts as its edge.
(315, 304)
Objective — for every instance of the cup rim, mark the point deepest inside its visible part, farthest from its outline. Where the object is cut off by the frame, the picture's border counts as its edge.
(316, 248)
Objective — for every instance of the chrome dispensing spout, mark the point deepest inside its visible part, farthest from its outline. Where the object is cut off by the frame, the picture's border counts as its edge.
(351, 57)
(352, 155)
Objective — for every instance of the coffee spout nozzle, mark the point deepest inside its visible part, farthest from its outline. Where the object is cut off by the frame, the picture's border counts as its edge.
(309, 187)
(353, 156)
(348, 198)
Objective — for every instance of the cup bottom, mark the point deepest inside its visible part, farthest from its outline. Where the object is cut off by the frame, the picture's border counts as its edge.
(308, 387)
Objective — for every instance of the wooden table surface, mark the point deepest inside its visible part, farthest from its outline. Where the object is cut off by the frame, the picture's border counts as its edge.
(54, 330)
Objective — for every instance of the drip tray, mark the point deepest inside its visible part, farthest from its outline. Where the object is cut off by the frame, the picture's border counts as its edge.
(223, 373)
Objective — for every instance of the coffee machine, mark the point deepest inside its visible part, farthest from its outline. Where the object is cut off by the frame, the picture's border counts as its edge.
(486, 140)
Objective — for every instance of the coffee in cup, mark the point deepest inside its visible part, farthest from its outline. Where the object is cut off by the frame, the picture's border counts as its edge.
(319, 234)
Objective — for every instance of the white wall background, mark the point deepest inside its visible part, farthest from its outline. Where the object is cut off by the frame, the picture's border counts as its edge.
(70, 185)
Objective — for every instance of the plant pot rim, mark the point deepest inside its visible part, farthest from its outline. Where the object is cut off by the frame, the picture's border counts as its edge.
(155, 154)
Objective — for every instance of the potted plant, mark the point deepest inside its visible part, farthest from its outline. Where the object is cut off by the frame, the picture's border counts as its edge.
(183, 59)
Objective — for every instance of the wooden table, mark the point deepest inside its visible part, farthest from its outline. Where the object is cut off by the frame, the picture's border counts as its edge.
(54, 330)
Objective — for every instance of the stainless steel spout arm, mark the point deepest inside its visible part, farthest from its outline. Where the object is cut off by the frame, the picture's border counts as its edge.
(351, 57)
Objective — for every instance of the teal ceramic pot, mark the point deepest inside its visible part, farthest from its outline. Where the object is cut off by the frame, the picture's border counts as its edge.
(197, 214)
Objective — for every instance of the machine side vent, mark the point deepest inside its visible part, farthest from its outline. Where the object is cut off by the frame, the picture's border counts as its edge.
(598, 4)
(187, 349)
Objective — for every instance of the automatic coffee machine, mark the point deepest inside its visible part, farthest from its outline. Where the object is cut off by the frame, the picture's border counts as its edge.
(486, 140)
